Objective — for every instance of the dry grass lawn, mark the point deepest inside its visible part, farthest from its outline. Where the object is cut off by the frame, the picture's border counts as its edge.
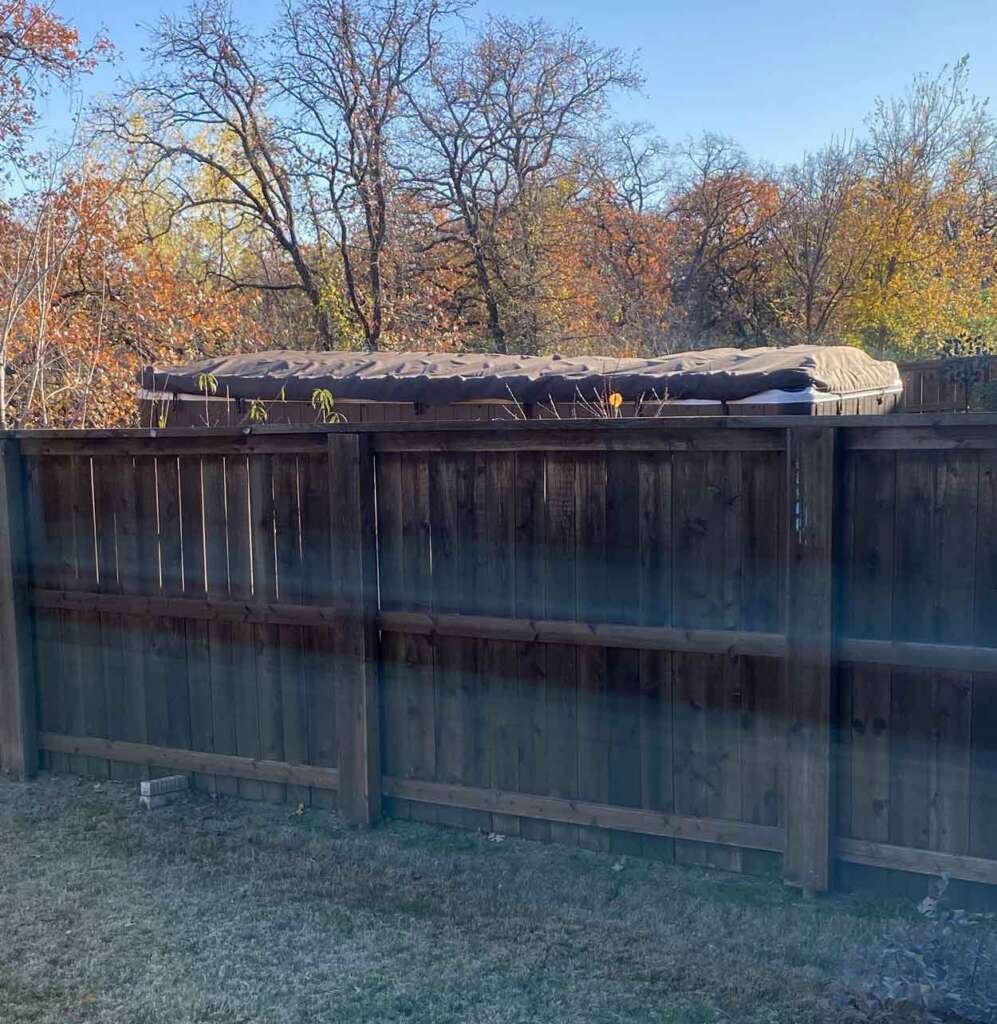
(226, 911)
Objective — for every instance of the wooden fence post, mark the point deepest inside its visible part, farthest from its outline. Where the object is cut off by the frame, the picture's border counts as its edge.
(354, 585)
(809, 625)
(18, 752)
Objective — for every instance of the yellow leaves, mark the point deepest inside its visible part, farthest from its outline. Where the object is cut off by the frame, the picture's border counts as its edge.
(926, 276)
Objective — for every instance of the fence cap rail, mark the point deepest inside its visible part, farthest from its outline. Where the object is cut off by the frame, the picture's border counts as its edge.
(650, 423)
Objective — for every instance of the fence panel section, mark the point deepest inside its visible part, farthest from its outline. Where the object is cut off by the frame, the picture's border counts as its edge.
(714, 642)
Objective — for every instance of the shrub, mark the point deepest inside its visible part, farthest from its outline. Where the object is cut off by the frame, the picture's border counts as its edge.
(938, 966)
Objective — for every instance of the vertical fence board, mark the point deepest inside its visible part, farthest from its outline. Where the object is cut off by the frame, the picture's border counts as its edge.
(352, 526)
(621, 603)
(702, 682)
(397, 738)
(983, 781)
(240, 664)
(867, 611)
(530, 541)
(112, 478)
(219, 634)
(293, 689)
(725, 686)
(561, 730)
(418, 651)
(494, 594)
(51, 553)
(317, 588)
(655, 603)
(957, 499)
(89, 711)
(916, 568)
(136, 575)
(171, 661)
(809, 612)
(18, 755)
(763, 680)
(451, 497)
(593, 580)
(197, 649)
(143, 636)
(476, 694)
(265, 636)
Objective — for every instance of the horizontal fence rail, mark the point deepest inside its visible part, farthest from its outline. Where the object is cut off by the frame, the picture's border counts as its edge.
(760, 643)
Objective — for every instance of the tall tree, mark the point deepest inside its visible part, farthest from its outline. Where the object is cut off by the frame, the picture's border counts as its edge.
(37, 48)
(825, 240)
(346, 68)
(723, 211)
(205, 104)
(929, 152)
(498, 122)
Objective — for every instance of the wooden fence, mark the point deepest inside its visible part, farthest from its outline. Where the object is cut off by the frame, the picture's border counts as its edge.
(938, 385)
(760, 644)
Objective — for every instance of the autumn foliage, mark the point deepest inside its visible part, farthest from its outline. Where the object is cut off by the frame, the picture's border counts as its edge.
(363, 178)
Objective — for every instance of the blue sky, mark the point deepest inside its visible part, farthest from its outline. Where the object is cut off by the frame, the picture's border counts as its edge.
(779, 77)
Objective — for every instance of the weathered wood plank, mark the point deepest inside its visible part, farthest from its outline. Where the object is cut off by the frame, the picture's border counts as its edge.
(867, 611)
(621, 600)
(574, 813)
(89, 711)
(221, 681)
(18, 696)
(290, 589)
(450, 496)
(531, 657)
(494, 594)
(396, 734)
(925, 862)
(48, 550)
(561, 727)
(243, 768)
(141, 635)
(594, 583)
(240, 665)
(762, 734)
(809, 608)
(592, 439)
(983, 781)
(318, 663)
(265, 636)
(655, 603)
(699, 565)
(958, 499)
(417, 650)
(426, 624)
(171, 661)
(192, 525)
(111, 483)
(358, 717)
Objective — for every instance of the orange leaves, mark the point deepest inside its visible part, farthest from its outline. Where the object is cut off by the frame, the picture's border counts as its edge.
(101, 301)
(38, 47)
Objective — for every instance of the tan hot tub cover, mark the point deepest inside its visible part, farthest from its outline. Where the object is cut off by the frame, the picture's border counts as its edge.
(722, 374)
